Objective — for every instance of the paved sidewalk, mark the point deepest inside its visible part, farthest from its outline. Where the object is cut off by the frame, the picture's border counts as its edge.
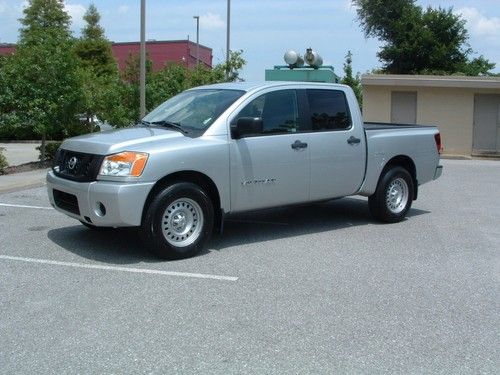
(20, 153)
(23, 180)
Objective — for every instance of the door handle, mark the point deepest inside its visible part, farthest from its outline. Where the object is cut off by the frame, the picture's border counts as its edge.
(297, 145)
(353, 140)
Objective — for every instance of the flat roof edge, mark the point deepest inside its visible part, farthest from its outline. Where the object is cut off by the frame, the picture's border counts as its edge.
(431, 81)
(149, 42)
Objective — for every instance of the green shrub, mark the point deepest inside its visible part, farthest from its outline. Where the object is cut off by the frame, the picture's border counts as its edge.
(50, 150)
(3, 161)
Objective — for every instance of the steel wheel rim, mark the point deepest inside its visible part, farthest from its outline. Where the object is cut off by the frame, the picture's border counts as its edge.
(397, 195)
(182, 222)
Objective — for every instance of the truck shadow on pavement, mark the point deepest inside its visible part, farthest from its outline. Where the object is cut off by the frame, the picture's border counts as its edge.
(123, 246)
(286, 222)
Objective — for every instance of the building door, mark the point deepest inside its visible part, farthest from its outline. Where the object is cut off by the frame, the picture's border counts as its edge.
(404, 107)
(486, 123)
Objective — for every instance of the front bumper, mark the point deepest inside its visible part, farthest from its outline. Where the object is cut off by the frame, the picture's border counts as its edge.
(123, 202)
(438, 172)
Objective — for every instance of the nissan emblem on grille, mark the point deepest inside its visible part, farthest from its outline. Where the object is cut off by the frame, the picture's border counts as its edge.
(72, 163)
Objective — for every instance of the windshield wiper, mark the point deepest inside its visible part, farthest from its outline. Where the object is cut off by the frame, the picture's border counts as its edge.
(171, 125)
(142, 122)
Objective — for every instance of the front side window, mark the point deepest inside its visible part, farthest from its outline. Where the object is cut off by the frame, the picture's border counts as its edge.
(193, 110)
(278, 111)
(328, 110)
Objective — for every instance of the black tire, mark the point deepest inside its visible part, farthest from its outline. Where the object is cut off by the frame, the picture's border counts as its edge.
(97, 229)
(178, 222)
(393, 197)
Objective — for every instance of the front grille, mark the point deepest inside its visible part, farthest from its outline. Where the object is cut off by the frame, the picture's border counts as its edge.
(66, 202)
(77, 166)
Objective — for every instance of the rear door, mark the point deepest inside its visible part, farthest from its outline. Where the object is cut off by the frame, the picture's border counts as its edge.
(337, 146)
(268, 169)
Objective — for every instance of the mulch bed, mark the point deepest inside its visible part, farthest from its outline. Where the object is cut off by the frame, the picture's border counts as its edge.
(26, 167)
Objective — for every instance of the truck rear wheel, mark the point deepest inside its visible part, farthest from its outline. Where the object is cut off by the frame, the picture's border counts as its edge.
(393, 197)
(179, 221)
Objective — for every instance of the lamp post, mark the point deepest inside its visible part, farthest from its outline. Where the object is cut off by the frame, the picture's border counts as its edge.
(228, 32)
(142, 63)
(197, 18)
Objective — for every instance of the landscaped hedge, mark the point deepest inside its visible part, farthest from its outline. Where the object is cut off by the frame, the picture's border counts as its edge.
(3, 161)
(50, 150)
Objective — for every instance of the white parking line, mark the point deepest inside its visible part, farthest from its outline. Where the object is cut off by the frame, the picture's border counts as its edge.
(23, 206)
(121, 269)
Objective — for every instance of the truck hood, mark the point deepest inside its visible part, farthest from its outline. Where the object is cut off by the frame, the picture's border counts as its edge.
(112, 141)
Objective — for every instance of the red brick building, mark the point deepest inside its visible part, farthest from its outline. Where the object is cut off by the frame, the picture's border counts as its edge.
(7, 48)
(159, 52)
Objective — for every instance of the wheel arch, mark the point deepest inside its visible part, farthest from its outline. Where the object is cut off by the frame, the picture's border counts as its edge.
(195, 177)
(407, 163)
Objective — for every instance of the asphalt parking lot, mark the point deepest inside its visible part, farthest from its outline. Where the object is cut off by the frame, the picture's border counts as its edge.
(312, 289)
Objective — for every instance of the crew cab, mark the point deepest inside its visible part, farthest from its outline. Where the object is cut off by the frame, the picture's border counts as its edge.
(234, 147)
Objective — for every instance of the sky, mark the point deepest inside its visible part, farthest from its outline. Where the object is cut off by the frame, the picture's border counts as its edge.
(263, 29)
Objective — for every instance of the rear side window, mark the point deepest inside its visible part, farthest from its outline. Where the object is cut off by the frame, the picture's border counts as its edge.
(278, 111)
(328, 110)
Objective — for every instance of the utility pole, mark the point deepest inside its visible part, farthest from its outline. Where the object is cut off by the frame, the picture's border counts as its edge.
(142, 63)
(228, 33)
(197, 18)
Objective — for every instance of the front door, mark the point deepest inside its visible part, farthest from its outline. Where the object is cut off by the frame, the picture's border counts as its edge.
(270, 168)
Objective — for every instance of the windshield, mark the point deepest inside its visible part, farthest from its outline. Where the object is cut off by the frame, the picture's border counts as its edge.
(193, 110)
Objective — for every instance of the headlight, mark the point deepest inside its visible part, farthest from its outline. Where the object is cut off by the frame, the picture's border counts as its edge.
(128, 164)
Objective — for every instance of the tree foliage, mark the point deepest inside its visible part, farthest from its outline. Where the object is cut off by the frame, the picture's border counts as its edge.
(41, 77)
(350, 80)
(419, 40)
(229, 70)
(52, 78)
(3, 161)
(123, 99)
(93, 49)
(97, 67)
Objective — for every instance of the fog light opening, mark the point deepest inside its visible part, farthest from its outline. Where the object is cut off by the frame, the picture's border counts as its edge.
(100, 209)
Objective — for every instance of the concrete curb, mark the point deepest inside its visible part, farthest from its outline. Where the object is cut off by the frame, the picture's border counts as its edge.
(22, 181)
(24, 142)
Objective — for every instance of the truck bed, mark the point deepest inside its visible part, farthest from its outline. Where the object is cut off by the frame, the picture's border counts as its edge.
(385, 141)
(392, 126)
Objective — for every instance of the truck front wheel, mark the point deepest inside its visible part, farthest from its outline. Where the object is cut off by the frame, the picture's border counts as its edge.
(393, 197)
(179, 221)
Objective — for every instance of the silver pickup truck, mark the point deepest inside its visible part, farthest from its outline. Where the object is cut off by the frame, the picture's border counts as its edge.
(235, 147)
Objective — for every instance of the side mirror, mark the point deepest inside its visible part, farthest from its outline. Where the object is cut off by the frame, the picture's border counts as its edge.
(246, 126)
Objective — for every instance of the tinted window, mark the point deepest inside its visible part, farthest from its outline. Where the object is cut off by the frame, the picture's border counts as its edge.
(278, 111)
(328, 110)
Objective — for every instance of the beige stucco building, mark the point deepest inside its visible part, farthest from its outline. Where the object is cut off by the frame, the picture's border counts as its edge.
(465, 109)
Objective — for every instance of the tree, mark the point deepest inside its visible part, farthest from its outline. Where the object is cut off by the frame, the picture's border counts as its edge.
(97, 68)
(478, 66)
(41, 76)
(93, 49)
(229, 71)
(417, 40)
(122, 98)
(167, 82)
(132, 67)
(8, 114)
(352, 81)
